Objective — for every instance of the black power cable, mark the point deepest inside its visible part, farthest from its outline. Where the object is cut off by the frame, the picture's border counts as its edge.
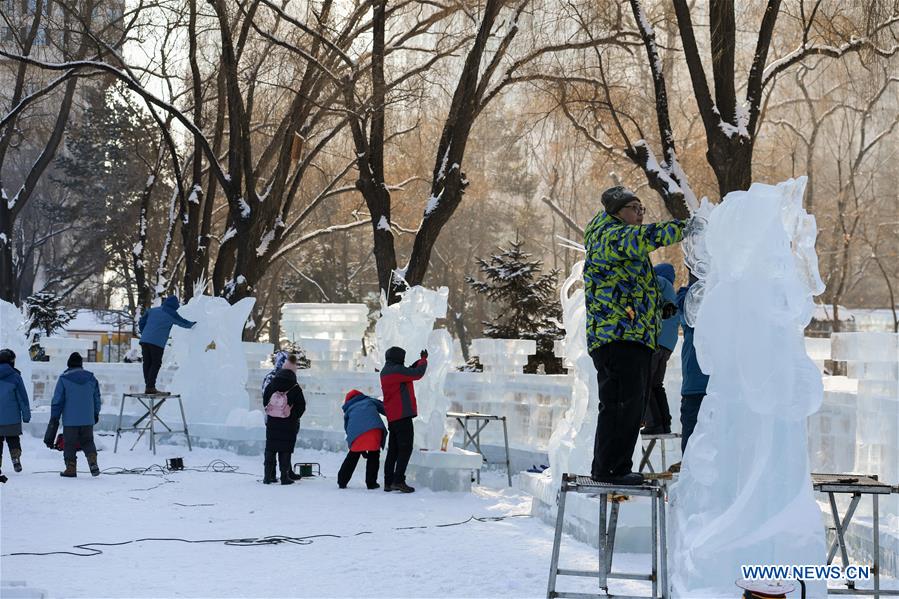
(90, 549)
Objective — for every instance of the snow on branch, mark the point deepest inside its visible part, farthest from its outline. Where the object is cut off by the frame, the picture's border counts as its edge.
(855, 44)
(314, 234)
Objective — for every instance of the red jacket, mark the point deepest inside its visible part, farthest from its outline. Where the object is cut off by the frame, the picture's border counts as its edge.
(396, 385)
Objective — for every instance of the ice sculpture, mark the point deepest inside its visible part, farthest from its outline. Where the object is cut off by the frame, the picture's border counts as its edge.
(409, 324)
(212, 369)
(571, 444)
(14, 335)
(744, 495)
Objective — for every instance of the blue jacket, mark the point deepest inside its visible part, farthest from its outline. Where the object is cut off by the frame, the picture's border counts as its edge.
(14, 406)
(665, 277)
(77, 398)
(694, 381)
(156, 323)
(360, 415)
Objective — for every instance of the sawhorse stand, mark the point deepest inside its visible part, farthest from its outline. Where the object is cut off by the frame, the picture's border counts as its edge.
(856, 485)
(480, 421)
(608, 525)
(647, 451)
(152, 402)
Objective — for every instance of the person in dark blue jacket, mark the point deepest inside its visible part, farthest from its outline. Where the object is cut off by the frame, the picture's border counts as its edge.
(14, 408)
(657, 415)
(77, 401)
(693, 387)
(365, 434)
(155, 326)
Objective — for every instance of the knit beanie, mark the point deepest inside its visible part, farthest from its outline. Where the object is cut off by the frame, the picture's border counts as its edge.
(75, 360)
(614, 198)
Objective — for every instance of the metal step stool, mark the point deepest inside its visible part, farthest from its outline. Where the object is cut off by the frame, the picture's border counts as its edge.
(572, 483)
(647, 450)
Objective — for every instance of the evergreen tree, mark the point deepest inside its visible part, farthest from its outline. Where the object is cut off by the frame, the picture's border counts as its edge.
(528, 306)
(47, 313)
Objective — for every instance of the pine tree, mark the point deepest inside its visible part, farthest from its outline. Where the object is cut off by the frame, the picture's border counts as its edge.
(528, 306)
(47, 313)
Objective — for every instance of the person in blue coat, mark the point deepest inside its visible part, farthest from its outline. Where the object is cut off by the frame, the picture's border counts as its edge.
(657, 416)
(77, 401)
(155, 326)
(365, 434)
(14, 408)
(695, 382)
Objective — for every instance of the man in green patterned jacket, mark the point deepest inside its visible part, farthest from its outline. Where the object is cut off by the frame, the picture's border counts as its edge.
(624, 314)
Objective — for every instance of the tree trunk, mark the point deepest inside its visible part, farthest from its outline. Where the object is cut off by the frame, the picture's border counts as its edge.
(7, 268)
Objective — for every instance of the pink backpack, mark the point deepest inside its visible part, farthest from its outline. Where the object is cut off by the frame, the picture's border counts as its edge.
(277, 405)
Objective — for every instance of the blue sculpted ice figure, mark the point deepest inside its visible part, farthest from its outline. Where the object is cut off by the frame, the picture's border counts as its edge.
(571, 444)
(14, 323)
(211, 373)
(409, 324)
(744, 495)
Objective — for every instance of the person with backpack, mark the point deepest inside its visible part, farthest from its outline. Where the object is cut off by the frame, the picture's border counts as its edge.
(365, 434)
(284, 405)
(155, 326)
(77, 401)
(400, 409)
(14, 408)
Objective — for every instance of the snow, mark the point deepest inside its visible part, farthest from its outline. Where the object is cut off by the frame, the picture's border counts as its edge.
(433, 202)
(244, 208)
(649, 35)
(3, 239)
(376, 531)
(98, 321)
(751, 439)
(138, 248)
(383, 224)
(264, 243)
(229, 233)
(194, 197)
(442, 172)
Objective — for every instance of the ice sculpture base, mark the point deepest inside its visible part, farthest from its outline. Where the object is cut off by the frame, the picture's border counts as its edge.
(443, 470)
(582, 514)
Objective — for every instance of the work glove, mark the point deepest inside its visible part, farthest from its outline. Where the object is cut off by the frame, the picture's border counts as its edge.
(668, 310)
(50, 435)
(424, 354)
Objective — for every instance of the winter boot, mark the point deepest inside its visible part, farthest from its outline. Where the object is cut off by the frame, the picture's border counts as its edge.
(284, 462)
(15, 454)
(92, 462)
(70, 471)
(269, 476)
(402, 487)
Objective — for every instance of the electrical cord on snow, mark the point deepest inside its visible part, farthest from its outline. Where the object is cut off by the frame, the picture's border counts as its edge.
(218, 466)
(90, 549)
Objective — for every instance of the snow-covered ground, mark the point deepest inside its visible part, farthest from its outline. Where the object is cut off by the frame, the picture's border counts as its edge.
(387, 544)
(372, 544)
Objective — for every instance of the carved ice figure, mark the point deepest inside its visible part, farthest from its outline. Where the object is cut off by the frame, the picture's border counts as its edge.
(14, 335)
(744, 495)
(211, 372)
(571, 444)
(409, 324)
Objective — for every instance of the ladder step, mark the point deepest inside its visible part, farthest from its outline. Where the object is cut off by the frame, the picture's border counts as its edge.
(595, 574)
(572, 595)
